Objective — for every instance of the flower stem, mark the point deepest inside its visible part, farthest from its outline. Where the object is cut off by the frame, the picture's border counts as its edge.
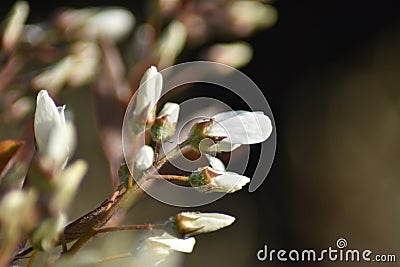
(149, 227)
(126, 200)
(169, 177)
(32, 258)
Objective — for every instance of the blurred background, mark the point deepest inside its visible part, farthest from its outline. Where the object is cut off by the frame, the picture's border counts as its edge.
(331, 72)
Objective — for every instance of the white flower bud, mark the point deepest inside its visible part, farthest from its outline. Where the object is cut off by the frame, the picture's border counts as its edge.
(144, 158)
(172, 42)
(163, 128)
(66, 185)
(112, 23)
(17, 213)
(147, 97)
(209, 180)
(55, 76)
(55, 137)
(46, 235)
(186, 224)
(236, 54)
(172, 243)
(248, 16)
(15, 25)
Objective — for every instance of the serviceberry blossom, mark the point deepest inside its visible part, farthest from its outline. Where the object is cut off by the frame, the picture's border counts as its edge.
(164, 126)
(226, 131)
(144, 158)
(55, 136)
(186, 224)
(216, 179)
(172, 243)
(147, 96)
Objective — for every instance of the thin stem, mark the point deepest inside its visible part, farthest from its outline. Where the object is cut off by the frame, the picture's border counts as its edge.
(157, 151)
(169, 177)
(171, 153)
(32, 258)
(149, 227)
(126, 200)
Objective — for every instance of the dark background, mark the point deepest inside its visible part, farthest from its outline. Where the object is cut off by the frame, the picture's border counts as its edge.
(330, 71)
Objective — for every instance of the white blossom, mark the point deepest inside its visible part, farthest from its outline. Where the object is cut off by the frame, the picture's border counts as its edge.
(170, 111)
(236, 128)
(55, 136)
(17, 213)
(148, 94)
(113, 23)
(172, 42)
(216, 179)
(66, 185)
(15, 25)
(47, 234)
(173, 243)
(186, 224)
(164, 126)
(144, 158)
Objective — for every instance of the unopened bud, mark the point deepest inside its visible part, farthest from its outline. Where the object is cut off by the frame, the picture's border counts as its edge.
(163, 128)
(209, 180)
(186, 224)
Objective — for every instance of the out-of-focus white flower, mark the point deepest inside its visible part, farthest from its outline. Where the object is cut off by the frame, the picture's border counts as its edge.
(87, 57)
(146, 99)
(172, 42)
(66, 185)
(236, 54)
(248, 16)
(17, 213)
(47, 234)
(76, 69)
(228, 130)
(164, 126)
(172, 243)
(186, 224)
(144, 158)
(55, 76)
(113, 23)
(15, 25)
(161, 251)
(55, 137)
(216, 179)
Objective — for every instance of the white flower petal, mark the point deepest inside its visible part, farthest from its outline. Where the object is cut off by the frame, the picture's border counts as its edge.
(222, 146)
(149, 91)
(47, 116)
(177, 244)
(61, 144)
(207, 222)
(55, 137)
(215, 163)
(241, 127)
(230, 182)
(171, 110)
(144, 158)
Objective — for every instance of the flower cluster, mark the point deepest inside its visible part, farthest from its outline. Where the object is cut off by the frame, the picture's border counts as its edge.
(77, 48)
